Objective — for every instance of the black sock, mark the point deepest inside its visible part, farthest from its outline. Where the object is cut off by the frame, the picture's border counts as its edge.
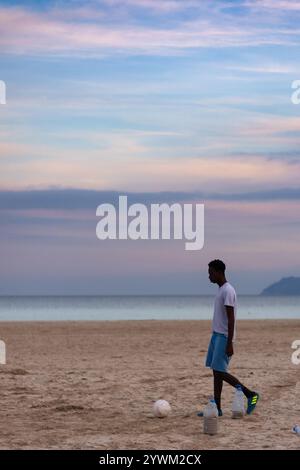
(247, 392)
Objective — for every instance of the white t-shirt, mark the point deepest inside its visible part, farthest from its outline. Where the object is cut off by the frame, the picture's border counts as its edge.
(226, 295)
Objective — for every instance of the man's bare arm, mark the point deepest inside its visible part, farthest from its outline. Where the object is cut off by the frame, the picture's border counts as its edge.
(230, 315)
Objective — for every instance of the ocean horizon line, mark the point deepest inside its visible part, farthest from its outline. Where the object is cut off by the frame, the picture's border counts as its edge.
(135, 295)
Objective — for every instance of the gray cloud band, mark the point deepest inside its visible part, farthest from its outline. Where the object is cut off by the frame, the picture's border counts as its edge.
(80, 199)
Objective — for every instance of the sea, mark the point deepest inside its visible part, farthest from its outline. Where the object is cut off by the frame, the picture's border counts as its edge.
(94, 308)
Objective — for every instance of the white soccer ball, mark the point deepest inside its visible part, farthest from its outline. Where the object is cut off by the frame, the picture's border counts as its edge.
(161, 408)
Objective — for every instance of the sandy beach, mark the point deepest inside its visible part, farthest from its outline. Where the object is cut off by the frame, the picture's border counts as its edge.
(91, 385)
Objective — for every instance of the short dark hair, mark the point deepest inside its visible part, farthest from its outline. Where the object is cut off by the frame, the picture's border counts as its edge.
(217, 265)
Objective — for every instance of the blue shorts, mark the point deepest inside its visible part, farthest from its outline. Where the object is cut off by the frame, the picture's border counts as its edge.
(217, 358)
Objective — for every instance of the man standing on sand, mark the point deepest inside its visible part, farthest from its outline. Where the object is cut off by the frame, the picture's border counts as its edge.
(220, 349)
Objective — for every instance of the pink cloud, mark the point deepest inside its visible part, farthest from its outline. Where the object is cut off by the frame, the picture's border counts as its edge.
(162, 6)
(28, 32)
(284, 5)
(125, 164)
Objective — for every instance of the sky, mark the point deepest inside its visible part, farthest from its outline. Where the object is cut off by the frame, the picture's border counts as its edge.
(163, 101)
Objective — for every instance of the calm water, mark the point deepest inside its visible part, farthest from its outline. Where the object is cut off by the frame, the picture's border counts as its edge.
(140, 308)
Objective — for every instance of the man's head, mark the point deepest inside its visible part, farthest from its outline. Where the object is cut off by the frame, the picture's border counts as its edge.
(216, 271)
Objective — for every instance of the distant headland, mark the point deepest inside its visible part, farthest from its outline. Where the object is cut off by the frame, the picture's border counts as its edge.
(286, 286)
